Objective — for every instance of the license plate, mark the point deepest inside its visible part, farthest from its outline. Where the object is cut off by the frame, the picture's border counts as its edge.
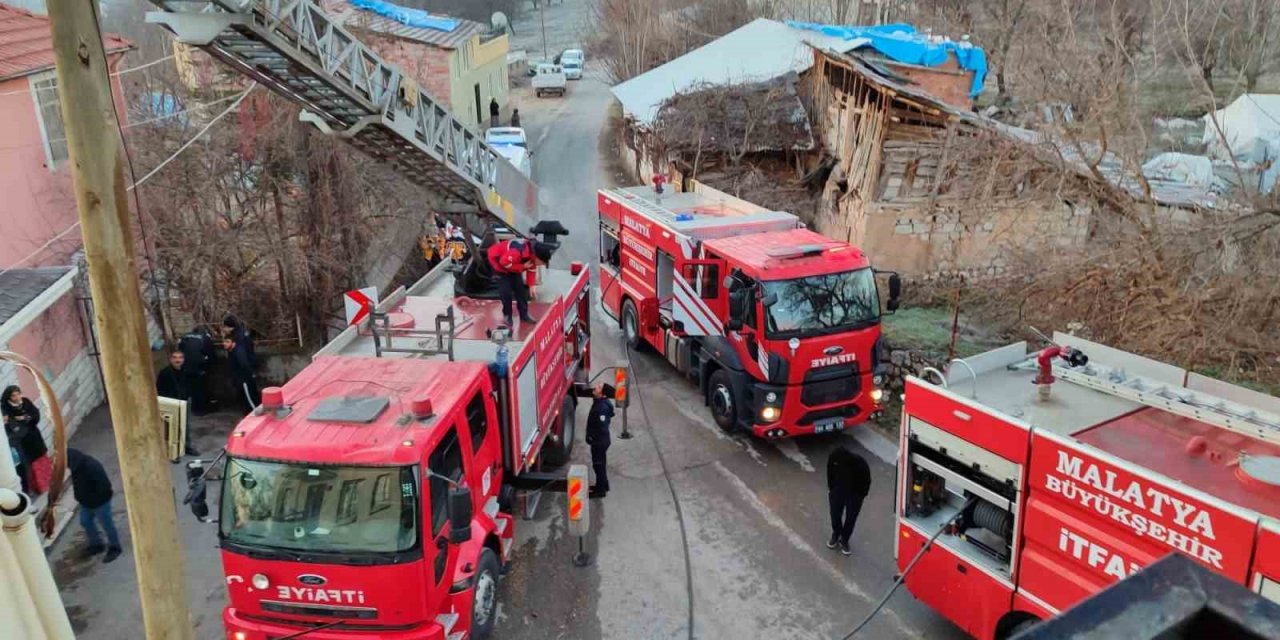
(829, 425)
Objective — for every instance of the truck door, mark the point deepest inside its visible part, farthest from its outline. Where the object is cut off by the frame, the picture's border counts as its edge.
(481, 423)
(697, 294)
(444, 461)
(610, 266)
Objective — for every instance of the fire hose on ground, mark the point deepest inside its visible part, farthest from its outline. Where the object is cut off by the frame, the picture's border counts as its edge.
(910, 565)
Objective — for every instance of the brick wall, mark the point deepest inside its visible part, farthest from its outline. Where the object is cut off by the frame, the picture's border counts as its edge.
(427, 65)
(948, 83)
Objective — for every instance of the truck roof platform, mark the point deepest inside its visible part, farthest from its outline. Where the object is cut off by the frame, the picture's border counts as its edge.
(413, 312)
(702, 213)
(1218, 438)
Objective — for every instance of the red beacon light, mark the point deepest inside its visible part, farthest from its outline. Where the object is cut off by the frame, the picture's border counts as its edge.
(658, 181)
(421, 408)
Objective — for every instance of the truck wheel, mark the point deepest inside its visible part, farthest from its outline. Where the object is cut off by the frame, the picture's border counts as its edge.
(631, 324)
(557, 454)
(484, 596)
(722, 400)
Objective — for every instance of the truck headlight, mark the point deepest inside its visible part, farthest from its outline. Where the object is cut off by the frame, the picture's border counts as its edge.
(770, 414)
(878, 380)
(771, 397)
(260, 581)
(877, 395)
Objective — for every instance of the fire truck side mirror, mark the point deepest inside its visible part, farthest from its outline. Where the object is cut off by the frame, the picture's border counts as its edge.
(769, 300)
(197, 488)
(459, 515)
(729, 283)
(895, 287)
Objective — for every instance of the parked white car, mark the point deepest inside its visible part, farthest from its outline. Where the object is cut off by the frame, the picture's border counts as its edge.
(549, 78)
(573, 60)
(513, 144)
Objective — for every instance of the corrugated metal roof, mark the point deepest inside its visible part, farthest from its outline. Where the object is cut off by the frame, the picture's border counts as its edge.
(434, 37)
(26, 43)
(760, 50)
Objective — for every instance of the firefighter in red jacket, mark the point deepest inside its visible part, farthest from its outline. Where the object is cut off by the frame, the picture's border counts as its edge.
(509, 260)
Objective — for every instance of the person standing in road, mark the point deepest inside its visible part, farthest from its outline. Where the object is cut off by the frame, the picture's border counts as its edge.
(22, 426)
(493, 112)
(848, 481)
(598, 437)
(174, 382)
(243, 375)
(515, 117)
(92, 489)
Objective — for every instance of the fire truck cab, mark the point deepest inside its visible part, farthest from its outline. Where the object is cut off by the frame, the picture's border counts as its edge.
(1048, 476)
(372, 495)
(778, 325)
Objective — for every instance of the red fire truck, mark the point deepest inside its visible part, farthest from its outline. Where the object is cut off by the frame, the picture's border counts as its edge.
(373, 493)
(1047, 477)
(778, 325)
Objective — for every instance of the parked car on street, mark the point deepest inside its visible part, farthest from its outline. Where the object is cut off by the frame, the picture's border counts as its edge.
(513, 144)
(549, 79)
(573, 60)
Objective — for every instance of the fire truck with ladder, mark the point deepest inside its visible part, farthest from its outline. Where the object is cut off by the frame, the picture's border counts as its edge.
(1030, 481)
(372, 496)
(778, 325)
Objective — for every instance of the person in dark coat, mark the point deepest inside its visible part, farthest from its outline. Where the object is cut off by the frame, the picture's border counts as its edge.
(174, 382)
(515, 117)
(243, 374)
(22, 428)
(92, 489)
(197, 349)
(848, 481)
(232, 326)
(493, 112)
(598, 436)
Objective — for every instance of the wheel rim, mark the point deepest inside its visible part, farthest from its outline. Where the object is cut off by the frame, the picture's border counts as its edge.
(485, 597)
(721, 401)
(631, 329)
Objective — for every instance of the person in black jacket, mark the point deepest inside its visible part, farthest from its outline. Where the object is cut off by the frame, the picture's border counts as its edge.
(92, 490)
(197, 349)
(22, 428)
(848, 481)
(598, 436)
(243, 376)
(173, 382)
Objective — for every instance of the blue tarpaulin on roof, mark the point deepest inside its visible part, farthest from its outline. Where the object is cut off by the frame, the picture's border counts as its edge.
(405, 15)
(902, 43)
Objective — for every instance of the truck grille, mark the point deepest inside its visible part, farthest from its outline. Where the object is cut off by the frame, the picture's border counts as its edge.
(357, 613)
(830, 385)
(844, 411)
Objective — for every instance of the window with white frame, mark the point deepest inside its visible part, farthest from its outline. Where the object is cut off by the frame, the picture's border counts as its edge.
(44, 89)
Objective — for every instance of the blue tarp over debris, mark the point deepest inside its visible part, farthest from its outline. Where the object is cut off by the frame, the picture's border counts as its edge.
(405, 15)
(902, 43)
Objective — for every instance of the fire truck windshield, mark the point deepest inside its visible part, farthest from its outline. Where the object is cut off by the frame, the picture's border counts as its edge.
(817, 305)
(318, 508)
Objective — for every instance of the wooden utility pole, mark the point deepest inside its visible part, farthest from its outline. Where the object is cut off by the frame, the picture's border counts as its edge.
(97, 165)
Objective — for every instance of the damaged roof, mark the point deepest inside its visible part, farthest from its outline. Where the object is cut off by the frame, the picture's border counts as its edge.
(759, 51)
(717, 118)
(18, 287)
(1163, 191)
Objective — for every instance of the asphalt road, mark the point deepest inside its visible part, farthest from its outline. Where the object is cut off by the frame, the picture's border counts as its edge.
(704, 534)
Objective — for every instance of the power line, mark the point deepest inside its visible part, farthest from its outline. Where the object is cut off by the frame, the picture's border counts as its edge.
(143, 66)
(194, 138)
(195, 107)
(40, 248)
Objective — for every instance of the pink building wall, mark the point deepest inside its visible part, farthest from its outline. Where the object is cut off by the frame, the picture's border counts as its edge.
(36, 204)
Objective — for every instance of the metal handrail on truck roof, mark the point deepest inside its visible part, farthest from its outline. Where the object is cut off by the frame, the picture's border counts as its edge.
(438, 341)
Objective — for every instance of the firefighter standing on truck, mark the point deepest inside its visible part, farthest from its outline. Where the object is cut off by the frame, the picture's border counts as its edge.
(509, 260)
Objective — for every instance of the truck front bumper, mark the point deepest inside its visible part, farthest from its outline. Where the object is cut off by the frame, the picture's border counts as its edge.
(797, 419)
(240, 627)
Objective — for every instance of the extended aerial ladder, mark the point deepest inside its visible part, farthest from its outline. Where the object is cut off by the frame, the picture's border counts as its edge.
(295, 49)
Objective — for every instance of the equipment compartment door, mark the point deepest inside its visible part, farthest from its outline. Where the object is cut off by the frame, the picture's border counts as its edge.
(697, 289)
(956, 588)
(1266, 562)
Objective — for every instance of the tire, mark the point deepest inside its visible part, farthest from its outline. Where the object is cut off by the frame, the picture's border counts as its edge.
(1022, 626)
(723, 402)
(484, 596)
(557, 454)
(630, 323)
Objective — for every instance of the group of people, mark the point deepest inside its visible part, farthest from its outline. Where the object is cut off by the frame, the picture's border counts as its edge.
(495, 113)
(89, 481)
(185, 378)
